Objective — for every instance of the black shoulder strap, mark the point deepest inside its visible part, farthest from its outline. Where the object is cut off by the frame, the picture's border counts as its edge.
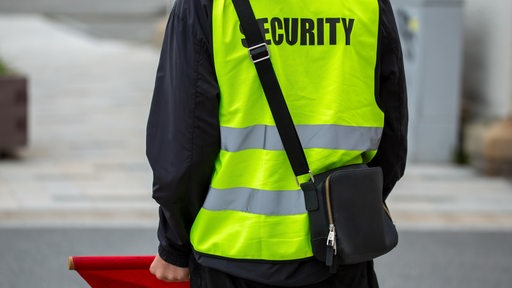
(260, 56)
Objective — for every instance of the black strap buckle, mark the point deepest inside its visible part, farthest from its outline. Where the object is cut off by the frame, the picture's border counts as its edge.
(259, 52)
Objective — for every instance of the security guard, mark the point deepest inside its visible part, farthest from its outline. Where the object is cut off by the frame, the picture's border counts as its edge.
(231, 213)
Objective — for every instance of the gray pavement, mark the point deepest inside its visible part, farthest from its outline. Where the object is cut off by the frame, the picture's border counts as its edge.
(423, 259)
(89, 100)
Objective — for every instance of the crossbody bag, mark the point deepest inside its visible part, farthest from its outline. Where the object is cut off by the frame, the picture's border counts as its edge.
(349, 221)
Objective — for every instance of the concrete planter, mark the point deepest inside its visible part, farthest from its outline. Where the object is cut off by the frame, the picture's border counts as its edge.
(13, 113)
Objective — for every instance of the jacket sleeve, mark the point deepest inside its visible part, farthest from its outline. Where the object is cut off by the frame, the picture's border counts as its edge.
(392, 99)
(182, 140)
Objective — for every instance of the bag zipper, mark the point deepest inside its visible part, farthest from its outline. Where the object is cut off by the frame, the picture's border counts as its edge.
(386, 209)
(331, 237)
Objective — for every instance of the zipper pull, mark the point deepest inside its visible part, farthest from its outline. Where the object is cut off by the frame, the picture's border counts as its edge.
(331, 238)
(331, 246)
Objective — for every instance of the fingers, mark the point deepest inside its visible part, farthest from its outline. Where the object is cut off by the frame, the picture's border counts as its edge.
(172, 277)
(167, 272)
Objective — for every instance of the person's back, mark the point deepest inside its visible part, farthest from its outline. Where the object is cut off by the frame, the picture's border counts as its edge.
(346, 97)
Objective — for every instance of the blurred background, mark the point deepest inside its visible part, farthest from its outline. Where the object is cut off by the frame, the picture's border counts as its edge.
(76, 80)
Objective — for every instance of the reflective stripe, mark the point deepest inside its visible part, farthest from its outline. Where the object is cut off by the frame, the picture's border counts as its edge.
(289, 202)
(312, 136)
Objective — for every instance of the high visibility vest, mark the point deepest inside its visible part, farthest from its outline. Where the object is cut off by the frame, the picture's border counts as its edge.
(325, 56)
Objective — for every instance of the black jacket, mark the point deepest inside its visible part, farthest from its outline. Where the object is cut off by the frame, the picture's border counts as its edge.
(183, 136)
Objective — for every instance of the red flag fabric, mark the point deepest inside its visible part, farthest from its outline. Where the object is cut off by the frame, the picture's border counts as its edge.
(119, 272)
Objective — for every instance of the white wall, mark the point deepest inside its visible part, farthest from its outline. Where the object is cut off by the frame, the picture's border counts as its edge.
(488, 58)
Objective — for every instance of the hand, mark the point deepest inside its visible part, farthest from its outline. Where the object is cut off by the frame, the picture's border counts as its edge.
(167, 272)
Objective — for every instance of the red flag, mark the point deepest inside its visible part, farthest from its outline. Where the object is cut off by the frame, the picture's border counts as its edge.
(119, 272)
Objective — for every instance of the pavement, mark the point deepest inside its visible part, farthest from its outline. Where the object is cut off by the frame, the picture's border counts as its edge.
(85, 164)
(89, 101)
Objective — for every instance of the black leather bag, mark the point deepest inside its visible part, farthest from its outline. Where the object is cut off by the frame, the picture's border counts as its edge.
(349, 221)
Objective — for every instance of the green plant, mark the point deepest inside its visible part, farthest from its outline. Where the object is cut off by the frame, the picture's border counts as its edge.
(3, 68)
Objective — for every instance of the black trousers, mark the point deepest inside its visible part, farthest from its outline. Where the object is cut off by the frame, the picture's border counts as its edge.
(351, 276)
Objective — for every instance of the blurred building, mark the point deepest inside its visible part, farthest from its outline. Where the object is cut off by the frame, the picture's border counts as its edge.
(431, 34)
(458, 60)
(487, 85)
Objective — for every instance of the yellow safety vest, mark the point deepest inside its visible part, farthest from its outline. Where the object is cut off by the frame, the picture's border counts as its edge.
(325, 55)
